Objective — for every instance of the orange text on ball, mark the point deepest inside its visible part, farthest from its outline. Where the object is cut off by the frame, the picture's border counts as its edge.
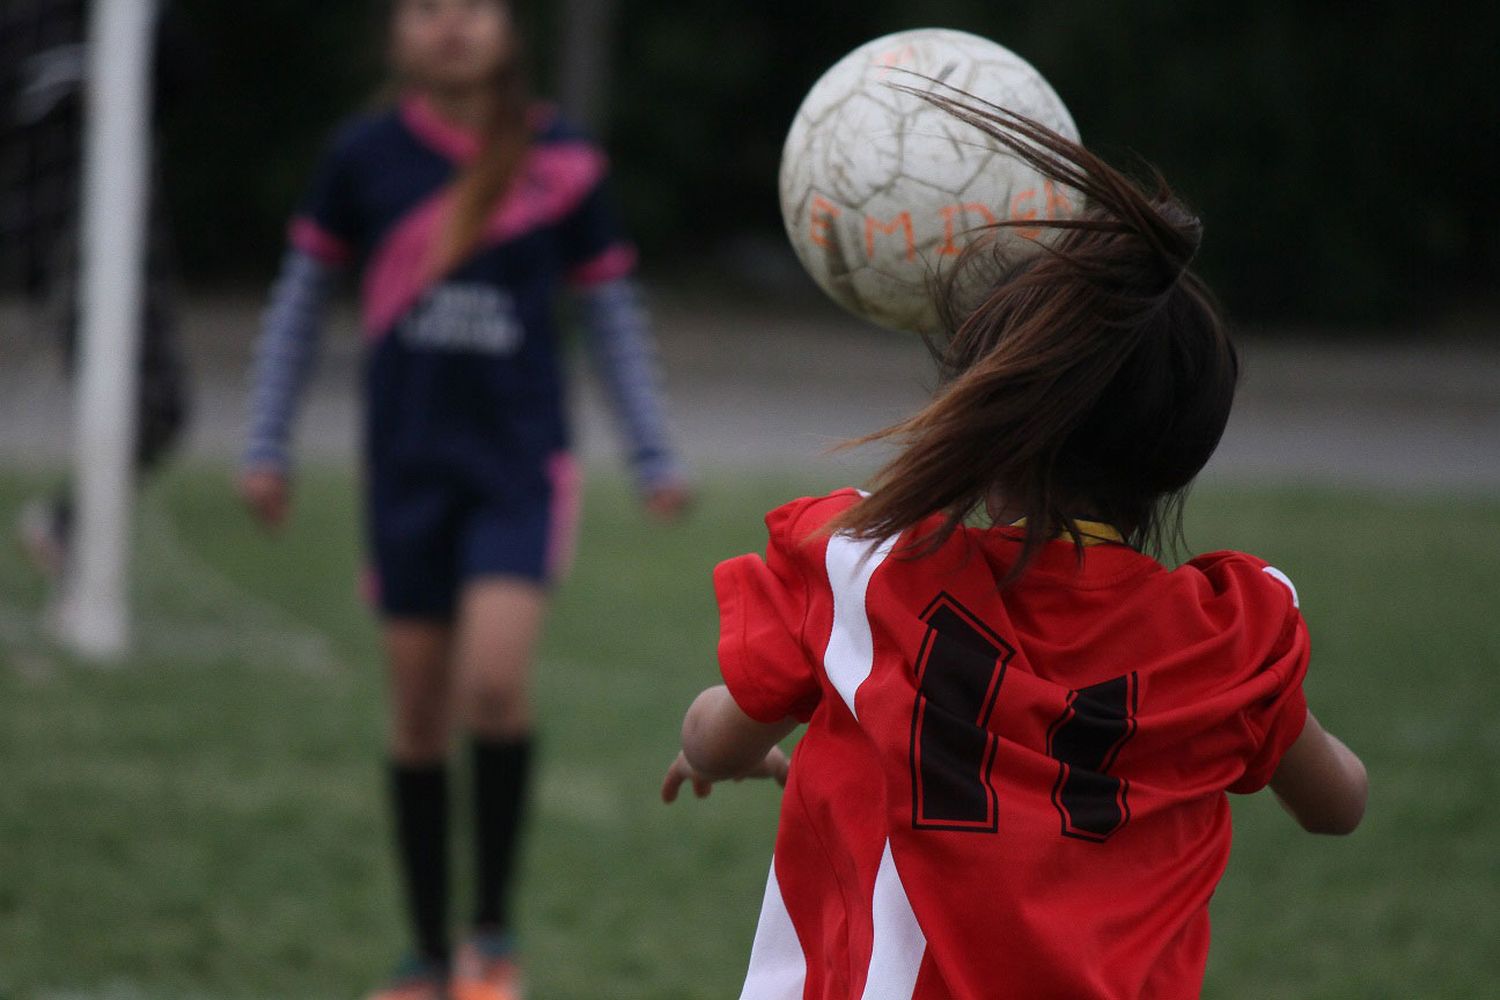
(1051, 202)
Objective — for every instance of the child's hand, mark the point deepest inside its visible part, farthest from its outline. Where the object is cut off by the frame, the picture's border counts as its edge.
(774, 765)
(267, 493)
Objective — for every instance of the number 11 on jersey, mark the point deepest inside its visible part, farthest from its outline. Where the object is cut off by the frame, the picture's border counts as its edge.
(960, 670)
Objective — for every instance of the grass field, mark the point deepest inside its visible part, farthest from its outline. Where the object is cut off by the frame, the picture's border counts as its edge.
(208, 822)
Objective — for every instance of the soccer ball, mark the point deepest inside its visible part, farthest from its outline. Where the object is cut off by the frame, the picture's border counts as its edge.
(880, 190)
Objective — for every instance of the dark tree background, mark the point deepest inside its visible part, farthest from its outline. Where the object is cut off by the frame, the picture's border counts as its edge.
(1345, 156)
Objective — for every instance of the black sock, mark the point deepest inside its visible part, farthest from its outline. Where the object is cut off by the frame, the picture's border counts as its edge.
(421, 799)
(501, 772)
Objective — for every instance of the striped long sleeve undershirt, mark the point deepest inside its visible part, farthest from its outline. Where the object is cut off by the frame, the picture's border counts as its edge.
(624, 356)
(285, 357)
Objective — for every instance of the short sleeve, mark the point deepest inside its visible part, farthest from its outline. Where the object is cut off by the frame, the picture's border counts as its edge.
(763, 606)
(327, 221)
(594, 247)
(1275, 719)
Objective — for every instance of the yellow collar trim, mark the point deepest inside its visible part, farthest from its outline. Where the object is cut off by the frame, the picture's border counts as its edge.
(1092, 532)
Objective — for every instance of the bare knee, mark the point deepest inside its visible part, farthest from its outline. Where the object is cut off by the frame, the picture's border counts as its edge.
(420, 730)
(497, 707)
(500, 623)
(421, 691)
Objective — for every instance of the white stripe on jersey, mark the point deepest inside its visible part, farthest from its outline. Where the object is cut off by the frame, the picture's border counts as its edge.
(778, 969)
(1277, 574)
(899, 944)
(851, 647)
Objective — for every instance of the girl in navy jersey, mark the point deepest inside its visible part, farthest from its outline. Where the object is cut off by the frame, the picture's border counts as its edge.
(1020, 735)
(465, 209)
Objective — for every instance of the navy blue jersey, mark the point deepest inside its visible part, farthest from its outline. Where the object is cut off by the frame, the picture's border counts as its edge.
(464, 370)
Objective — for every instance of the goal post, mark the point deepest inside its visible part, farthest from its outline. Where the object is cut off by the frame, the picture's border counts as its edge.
(94, 613)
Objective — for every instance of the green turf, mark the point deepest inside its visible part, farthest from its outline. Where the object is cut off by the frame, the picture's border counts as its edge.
(207, 820)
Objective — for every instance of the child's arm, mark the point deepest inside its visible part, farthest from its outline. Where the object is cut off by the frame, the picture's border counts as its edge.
(1321, 782)
(284, 359)
(720, 742)
(624, 355)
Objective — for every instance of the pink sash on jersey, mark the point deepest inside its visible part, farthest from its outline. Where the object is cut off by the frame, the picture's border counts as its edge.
(554, 180)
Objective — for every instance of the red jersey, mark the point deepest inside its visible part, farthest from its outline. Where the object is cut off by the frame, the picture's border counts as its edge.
(1013, 793)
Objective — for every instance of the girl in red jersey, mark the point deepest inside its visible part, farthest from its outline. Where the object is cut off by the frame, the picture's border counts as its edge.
(466, 208)
(1020, 736)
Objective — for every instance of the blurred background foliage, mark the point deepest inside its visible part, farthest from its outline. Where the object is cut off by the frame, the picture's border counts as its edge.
(1345, 156)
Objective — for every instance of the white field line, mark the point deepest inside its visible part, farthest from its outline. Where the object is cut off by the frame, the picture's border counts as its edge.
(185, 610)
(221, 620)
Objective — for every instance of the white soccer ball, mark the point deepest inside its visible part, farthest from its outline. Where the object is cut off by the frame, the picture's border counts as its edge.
(880, 190)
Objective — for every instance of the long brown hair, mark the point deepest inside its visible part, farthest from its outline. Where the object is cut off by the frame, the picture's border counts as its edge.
(1093, 380)
(481, 184)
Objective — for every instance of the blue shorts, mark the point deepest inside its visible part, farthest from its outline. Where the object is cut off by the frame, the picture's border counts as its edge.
(429, 539)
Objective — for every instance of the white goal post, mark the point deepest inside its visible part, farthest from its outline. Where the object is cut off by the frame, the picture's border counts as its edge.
(94, 613)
